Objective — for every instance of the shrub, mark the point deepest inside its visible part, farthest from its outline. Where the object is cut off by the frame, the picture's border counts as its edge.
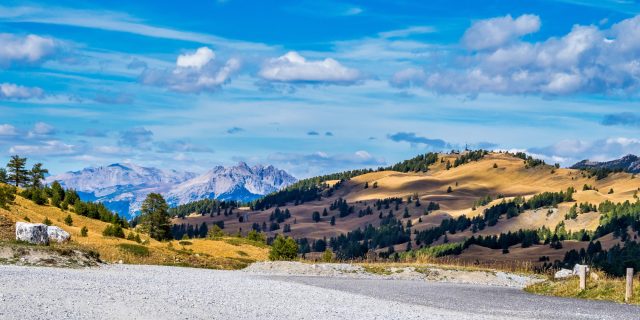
(113, 230)
(68, 220)
(283, 249)
(84, 231)
(27, 219)
(185, 243)
(256, 236)
(134, 249)
(327, 256)
(7, 195)
(47, 221)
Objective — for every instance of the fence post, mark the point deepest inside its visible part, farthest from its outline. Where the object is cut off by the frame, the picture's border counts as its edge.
(582, 271)
(629, 288)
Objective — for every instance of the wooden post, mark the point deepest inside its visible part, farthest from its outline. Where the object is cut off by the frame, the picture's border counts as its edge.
(629, 288)
(582, 271)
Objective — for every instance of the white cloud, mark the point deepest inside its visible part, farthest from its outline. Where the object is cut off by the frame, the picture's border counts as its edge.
(28, 49)
(8, 130)
(46, 148)
(294, 68)
(11, 91)
(42, 129)
(194, 72)
(491, 33)
(585, 60)
(118, 22)
(569, 152)
(197, 59)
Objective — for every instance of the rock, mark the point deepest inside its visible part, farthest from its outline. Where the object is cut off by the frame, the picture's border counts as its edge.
(57, 234)
(563, 273)
(34, 233)
(576, 269)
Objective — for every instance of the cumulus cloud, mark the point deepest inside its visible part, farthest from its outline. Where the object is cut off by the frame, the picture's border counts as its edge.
(8, 130)
(29, 49)
(10, 91)
(622, 119)
(194, 72)
(495, 32)
(569, 152)
(414, 139)
(234, 130)
(587, 59)
(294, 68)
(138, 137)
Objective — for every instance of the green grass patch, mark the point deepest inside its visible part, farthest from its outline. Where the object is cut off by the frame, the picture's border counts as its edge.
(134, 249)
(606, 288)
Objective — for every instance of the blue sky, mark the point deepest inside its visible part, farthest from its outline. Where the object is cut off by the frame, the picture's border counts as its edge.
(315, 86)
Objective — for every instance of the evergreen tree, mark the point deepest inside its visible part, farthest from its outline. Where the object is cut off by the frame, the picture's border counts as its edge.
(283, 249)
(315, 216)
(37, 174)
(4, 178)
(155, 217)
(68, 220)
(17, 172)
(333, 221)
(84, 231)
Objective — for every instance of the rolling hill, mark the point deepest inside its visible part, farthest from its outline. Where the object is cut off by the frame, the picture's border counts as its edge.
(462, 185)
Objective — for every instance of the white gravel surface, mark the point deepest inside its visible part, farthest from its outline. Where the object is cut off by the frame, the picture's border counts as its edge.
(154, 292)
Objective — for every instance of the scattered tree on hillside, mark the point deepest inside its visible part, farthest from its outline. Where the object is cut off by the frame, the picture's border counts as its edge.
(315, 216)
(68, 220)
(283, 249)
(17, 172)
(37, 174)
(84, 231)
(4, 177)
(154, 217)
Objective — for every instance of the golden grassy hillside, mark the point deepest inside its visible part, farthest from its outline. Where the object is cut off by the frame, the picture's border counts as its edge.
(224, 253)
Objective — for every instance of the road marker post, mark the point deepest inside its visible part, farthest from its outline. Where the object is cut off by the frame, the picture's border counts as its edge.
(582, 271)
(629, 287)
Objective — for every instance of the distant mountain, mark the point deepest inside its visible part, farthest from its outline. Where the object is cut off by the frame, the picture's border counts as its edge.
(240, 182)
(122, 187)
(629, 163)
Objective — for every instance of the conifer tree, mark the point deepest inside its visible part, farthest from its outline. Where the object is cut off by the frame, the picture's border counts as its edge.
(17, 172)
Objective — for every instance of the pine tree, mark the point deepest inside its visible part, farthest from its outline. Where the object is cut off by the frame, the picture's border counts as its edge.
(315, 216)
(155, 217)
(84, 231)
(333, 221)
(4, 178)
(37, 174)
(17, 172)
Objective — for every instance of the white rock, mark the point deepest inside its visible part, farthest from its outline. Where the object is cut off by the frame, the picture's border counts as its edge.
(35, 233)
(563, 273)
(576, 268)
(57, 234)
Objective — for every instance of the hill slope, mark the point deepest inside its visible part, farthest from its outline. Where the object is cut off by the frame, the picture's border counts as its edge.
(474, 186)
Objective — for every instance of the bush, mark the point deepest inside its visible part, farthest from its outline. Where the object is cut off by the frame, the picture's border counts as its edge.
(84, 231)
(283, 249)
(7, 195)
(256, 236)
(134, 249)
(327, 256)
(47, 221)
(68, 220)
(113, 230)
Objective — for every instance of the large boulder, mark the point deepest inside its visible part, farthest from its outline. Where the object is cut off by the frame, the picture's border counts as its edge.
(35, 233)
(563, 273)
(57, 234)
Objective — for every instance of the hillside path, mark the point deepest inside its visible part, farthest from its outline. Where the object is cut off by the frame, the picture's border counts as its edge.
(154, 292)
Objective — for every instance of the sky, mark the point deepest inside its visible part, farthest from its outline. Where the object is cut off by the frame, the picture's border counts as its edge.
(315, 87)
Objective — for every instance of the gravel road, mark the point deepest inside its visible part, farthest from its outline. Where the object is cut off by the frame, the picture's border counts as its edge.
(153, 292)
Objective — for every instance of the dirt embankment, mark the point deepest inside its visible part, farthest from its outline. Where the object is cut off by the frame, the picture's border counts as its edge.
(47, 256)
(372, 271)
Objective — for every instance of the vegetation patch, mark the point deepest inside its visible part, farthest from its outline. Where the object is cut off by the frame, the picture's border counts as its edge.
(605, 288)
(134, 249)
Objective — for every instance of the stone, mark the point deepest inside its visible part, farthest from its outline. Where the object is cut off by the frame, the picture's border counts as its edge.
(34, 233)
(576, 269)
(563, 273)
(57, 234)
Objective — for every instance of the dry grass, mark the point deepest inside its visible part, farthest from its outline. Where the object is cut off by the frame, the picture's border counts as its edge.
(605, 288)
(217, 254)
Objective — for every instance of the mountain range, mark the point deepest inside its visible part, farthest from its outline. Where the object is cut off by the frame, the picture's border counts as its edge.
(629, 163)
(122, 187)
